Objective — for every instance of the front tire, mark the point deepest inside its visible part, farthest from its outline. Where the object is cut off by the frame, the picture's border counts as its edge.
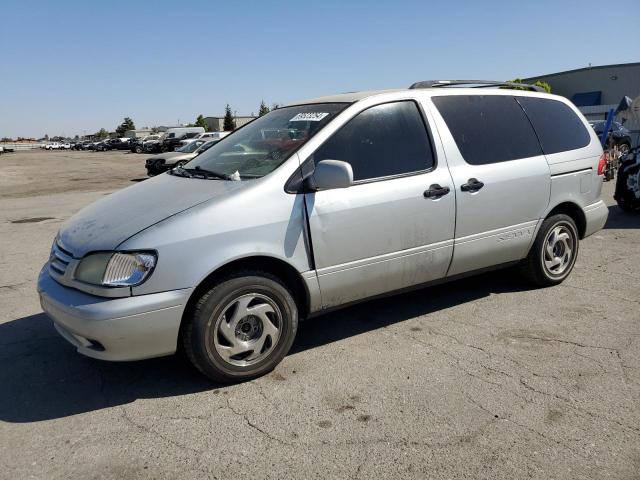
(241, 328)
(554, 252)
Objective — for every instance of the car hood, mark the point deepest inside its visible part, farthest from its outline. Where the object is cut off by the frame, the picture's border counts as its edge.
(182, 156)
(166, 156)
(107, 223)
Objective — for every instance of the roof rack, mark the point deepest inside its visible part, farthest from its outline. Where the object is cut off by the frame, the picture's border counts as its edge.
(475, 84)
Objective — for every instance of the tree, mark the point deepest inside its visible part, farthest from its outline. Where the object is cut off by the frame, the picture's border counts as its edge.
(200, 122)
(263, 109)
(544, 85)
(102, 133)
(127, 124)
(275, 106)
(46, 137)
(6, 139)
(229, 123)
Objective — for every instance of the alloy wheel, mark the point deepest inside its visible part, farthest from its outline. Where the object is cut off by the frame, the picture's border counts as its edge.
(559, 247)
(247, 330)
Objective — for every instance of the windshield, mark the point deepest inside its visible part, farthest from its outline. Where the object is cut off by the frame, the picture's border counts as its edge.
(264, 144)
(189, 147)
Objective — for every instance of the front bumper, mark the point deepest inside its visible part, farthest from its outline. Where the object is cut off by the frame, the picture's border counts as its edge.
(596, 216)
(120, 329)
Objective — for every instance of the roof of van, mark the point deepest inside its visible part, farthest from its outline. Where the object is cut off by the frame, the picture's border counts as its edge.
(350, 97)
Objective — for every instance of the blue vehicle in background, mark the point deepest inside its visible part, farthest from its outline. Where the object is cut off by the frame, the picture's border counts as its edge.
(618, 135)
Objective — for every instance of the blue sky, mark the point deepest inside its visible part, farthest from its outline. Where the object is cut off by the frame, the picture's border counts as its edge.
(69, 67)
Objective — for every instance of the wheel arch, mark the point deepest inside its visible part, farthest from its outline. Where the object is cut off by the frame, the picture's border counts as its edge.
(275, 266)
(574, 211)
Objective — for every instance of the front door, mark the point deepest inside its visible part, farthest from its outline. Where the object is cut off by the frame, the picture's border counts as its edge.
(383, 233)
(501, 177)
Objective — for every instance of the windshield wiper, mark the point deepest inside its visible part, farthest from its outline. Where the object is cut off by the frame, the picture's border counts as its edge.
(180, 172)
(207, 173)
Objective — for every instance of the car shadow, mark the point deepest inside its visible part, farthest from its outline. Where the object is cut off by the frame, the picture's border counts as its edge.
(619, 219)
(43, 377)
(383, 312)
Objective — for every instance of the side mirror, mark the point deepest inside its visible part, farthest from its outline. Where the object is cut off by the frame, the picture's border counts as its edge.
(330, 174)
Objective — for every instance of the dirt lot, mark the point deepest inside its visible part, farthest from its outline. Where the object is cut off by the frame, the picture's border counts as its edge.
(481, 378)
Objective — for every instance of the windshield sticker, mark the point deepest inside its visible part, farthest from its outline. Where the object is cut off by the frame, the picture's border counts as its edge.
(309, 117)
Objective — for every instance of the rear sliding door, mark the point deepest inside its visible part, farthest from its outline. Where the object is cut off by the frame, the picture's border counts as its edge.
(501, 178)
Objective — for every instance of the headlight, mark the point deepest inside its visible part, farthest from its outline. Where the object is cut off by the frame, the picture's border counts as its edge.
(115, 269)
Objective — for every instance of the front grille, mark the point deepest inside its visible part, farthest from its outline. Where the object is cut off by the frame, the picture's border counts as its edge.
(59, 259)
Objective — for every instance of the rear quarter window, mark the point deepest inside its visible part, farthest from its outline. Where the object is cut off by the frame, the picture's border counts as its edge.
(488, 128)
(557, 126)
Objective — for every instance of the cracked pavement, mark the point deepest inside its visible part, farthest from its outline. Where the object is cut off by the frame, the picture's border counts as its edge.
(480, 378)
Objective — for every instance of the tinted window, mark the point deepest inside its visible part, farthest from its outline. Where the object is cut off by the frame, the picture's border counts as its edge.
(488, 128)
(558, 127)
(384, 140)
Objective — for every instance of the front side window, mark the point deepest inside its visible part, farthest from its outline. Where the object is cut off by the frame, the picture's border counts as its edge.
(264, 144)
(557, 125)
(382, 141)
(488, 128)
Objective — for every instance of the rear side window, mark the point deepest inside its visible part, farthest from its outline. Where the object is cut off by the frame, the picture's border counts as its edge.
(488, 128)
(558, 127)
(384, 140)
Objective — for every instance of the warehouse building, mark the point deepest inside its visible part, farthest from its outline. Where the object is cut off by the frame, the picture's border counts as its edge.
(138, 133)
(216, 124)
(595, 90)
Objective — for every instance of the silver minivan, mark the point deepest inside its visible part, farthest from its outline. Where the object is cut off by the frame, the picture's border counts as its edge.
(320, 204)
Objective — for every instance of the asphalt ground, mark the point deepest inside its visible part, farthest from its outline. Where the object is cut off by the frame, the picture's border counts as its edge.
(479, 378)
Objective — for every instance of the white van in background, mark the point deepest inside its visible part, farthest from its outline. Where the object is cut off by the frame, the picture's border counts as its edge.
(212, 135)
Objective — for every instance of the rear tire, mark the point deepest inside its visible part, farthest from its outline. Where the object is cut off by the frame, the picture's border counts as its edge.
(554, 252)
(625, 194)
(241, 328)
(624, 148)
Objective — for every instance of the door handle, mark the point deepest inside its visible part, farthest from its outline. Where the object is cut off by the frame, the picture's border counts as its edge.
(436, 191)
(472, 185)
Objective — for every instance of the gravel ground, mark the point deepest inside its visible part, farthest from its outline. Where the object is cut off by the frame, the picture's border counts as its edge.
(480, 378)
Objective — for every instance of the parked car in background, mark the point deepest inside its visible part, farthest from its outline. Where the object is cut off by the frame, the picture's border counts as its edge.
(171, 140)
(51, 146)
(618, 135)
(138, 144)
(367, 194)
(102, 145)
(122, 143)
(65, 146)
(168, 160)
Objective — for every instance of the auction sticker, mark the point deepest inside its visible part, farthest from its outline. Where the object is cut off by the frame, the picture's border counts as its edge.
(309, 117)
